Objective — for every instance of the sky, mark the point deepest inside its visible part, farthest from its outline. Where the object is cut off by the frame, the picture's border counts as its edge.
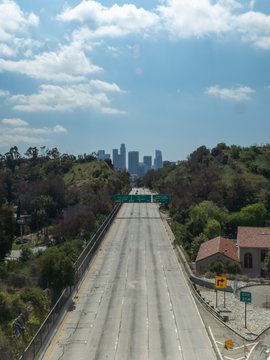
(166, 74)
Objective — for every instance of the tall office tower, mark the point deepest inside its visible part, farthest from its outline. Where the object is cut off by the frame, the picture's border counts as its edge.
(133, 163)
(147, 160)
(141, 169)
(158, 164)
(123, 157)
(116, 159)
(102, 156)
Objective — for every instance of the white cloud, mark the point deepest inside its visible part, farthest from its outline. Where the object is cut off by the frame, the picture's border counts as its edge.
(11, 139)
(14, 24)
(111, 111)
(236, 94)
(13, 19)
(255, 28)
(180, 18)
(105, 86)
(4, 93)
(188, 18)
(111, 21)
(65, 98)
(69, 64)
(14, 122)
(22, 133)
(59, 129)
(6, 50)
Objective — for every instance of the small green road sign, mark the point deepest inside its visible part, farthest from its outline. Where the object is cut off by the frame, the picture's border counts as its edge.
(162, 198)
(122, 198)
(245, 296)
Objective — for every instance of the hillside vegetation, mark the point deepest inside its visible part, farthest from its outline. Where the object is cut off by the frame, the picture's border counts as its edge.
(62, 200)
(214, 191)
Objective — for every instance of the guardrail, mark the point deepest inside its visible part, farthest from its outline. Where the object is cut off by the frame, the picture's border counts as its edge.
(81, 264)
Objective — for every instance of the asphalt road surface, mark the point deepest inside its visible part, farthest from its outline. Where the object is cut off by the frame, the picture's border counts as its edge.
(134, 303)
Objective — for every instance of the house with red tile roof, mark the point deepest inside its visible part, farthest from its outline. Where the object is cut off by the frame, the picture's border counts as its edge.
(253, 245)
(217, 249)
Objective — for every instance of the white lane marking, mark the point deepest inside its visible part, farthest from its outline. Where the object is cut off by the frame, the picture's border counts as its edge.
(253, 347)
(116, 342)
(217, 349)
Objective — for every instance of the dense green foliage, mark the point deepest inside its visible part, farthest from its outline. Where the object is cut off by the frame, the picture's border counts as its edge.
(224, 267)
(215, 191)
(6, 231)
(61, 198)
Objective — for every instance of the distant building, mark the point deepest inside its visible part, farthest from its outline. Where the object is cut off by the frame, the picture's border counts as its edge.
(102, 156)
(119, 160)
(217, 249)
(133, 163)
(147, 160)
(158, 164)
(141, 169)
(122, 159)
(116, 159)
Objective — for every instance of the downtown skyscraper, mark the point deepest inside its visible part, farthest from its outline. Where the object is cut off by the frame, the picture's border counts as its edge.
(119, 160)
(158, 163)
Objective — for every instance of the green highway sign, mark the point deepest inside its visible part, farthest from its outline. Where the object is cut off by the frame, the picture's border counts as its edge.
(119, 198)
(162, 198)
(245, 296)
(141, 198)
(122, 198)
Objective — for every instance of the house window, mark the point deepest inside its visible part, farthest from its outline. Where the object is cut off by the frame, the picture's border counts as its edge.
(248, 260)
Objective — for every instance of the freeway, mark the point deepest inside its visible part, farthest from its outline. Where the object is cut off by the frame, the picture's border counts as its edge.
(134, 302)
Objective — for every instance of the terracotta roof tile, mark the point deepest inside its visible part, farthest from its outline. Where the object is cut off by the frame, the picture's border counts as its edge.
(258, 237)
(218, 245)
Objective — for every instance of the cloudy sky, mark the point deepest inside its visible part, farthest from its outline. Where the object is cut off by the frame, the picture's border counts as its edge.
(165, 74)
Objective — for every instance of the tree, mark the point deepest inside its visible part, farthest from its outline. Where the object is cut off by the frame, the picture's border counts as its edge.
(212, 229)
(250, 215)
(32, 153)
(195, 245)
(57, 270)
(200, 215)
(6, 231)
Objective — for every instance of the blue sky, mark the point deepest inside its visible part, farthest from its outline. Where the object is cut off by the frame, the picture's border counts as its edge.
(170, 75)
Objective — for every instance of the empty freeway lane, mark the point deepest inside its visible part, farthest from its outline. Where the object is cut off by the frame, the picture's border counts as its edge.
(134, 303)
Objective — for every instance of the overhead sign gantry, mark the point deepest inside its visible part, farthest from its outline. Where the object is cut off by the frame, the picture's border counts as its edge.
(165, 199)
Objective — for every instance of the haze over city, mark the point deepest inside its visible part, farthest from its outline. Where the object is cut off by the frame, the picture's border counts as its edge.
(170, 75)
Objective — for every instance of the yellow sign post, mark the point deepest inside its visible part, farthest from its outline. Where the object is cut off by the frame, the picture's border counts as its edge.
(220, 283)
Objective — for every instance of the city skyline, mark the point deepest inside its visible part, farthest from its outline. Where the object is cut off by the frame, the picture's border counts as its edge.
(134, 166)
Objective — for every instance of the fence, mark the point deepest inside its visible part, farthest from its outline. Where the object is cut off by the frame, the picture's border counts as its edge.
(81, 265)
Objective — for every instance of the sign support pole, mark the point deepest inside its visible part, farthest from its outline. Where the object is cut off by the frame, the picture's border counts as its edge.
(245, 315)
(216, 298)
(224, 299)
